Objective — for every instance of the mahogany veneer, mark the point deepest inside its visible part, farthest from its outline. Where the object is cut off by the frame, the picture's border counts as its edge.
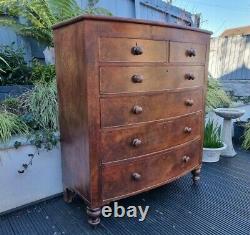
(131, 101)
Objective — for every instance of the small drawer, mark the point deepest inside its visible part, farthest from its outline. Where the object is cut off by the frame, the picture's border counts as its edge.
(135, 141)
(132, 50)
(129, 177)
(150, 78)
(187, 53)
(124, 110)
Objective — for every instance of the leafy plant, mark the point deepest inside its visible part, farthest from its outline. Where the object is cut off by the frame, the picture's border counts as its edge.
(216, 96)
(11, 124)
(46, 139)
(38, 16)
(14, 69)
(41, 106)
(212, 135)
(246, 136)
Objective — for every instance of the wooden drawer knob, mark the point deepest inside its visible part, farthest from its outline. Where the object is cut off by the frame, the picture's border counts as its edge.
(137, 50)
(136, 176)
(189, 76)
(137, 109)
(187, 129)
(136, 142)
(137, 78)
(191, 52)
(186, 159)
(189, 102)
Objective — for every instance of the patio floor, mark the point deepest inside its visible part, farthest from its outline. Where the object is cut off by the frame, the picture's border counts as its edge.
(219, 204)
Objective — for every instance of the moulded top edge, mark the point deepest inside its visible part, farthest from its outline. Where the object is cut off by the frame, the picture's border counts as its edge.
(126, 20)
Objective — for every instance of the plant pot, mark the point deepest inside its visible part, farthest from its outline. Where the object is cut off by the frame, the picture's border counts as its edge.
(212, 154)
(49, 55)
(41, 180)
(239, 128)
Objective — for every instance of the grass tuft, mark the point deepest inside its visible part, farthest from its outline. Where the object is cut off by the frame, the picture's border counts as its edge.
(216, 96)
(246, 136)
(212, 135)
(11, 124)
(41, 103)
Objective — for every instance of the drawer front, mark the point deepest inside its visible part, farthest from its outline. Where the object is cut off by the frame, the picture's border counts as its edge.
(118, 111)
(143, 79)
(136, 141)
(132, 50)
(131, 176)
(187, 52)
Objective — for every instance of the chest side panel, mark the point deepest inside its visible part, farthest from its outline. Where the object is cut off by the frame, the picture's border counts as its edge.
(73, 108)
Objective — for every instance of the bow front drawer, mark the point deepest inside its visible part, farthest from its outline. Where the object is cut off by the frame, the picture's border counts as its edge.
(187, 52)
(150, 78)
(131, 176)
(135, 141)
(123, 110)
(132, 50)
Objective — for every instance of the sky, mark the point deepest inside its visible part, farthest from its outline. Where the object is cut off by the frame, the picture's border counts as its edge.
(218, 15)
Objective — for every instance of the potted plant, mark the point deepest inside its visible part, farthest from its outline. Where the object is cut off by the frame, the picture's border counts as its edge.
(212, 146)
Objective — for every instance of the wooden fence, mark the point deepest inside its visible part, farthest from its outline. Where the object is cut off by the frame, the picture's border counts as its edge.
(139, 9)
(230, 58)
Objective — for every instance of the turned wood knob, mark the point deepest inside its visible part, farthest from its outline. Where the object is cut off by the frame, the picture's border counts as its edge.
(187, 129)
(137, 50)
(136, 142)
(137, 109)
(189, 76)
(136, 176)
(186, 159)
(137, 78)
(191, 52)
(189, 102)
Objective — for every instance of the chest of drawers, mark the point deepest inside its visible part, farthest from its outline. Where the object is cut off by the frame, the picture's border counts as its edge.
(131, 101)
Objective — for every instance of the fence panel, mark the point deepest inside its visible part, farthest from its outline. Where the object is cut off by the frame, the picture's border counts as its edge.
(230, 58)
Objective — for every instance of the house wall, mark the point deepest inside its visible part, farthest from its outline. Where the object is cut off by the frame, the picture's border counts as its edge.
(140, 9)
(230, 62)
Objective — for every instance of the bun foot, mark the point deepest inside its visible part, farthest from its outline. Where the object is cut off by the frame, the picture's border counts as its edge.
(68, 195)
(196, 174)
(94, 216)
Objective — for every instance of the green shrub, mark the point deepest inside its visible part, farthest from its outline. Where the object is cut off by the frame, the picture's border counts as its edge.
(246, 136)
(212, 135)
(216, 96)
(42, 72)
(14, 69)
(11, 124)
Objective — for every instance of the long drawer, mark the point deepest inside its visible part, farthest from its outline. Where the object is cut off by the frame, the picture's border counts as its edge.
(135, 141)
(123, 110)
(132, 50)
(149, 78)
(131, 176)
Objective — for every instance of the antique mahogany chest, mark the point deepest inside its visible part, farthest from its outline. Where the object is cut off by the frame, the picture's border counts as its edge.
(131, 101)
